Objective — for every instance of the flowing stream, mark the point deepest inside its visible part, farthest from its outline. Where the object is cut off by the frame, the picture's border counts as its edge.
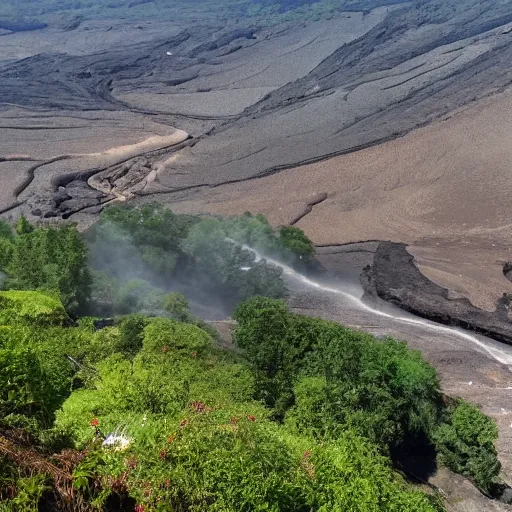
(498, 354)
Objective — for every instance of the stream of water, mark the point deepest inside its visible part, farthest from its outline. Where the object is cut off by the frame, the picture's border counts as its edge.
(498, 354)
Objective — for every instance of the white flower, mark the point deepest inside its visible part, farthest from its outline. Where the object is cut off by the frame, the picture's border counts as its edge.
(118, 442)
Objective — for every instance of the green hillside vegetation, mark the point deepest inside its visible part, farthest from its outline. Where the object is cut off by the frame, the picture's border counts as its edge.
(135, 251)
(133, 256)
(149, 414)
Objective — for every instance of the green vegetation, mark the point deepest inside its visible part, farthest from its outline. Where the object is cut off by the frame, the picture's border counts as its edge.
(466, 444)
(383, 390)
(191, 434)
(138, 251)
(148, 414)
(52, 259)
(322, 379)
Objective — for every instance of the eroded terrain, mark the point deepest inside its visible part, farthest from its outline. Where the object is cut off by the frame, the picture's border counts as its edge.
(374, 121)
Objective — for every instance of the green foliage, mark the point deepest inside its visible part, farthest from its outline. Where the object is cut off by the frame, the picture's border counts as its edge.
(233, 267)
(104, 293)
(29, 492)
(164, 334)
(297, 242)
(139, 295)
(350, 474)
(20, 380)
(49, 259)
(194, 442)
(23, 226)
(382, 390)
(466, 444)
(29, 307)
(194, 435)
(6, 232)
(131, 331)
(177, 305)
(6, 253)
(104, 343)
(146, 239)
(157, 246)
(253, 230)
(198, 424)
(150, 225)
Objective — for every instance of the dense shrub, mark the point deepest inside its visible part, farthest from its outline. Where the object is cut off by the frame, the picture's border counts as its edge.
(197, 441)
(131, 331)
(28, 307)
(159, 249)
(177, 305)
(162, 333)
(234, 268)
(383, 390)
(49, 259)
(20, 383)
(466, 444)
(294, 240)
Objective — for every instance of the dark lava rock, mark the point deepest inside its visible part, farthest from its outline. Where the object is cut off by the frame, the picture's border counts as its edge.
(507, 270)
(395, 278)
(80, 189)
(60, 196)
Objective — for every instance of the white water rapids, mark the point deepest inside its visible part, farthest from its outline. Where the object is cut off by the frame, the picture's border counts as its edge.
(498, 354)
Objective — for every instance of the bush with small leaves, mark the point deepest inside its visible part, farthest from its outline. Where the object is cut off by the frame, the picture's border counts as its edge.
(466, 444)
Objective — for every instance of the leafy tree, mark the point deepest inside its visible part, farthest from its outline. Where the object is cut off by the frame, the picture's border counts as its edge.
(6, 253)
(253, 230)
(230, 265)
(263, 333)
(383, 390)
(23, 226)
(75, 279)
(176, 304)
(6, 231)
(19, 308)
(104, 293)
(350, 474)
(466, 444)
(138, 295)
(131, 334)
(51, 259)
(163, 334)
(295, 240)
(20, 383)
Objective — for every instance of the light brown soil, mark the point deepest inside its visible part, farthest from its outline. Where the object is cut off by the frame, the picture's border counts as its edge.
(445, 189)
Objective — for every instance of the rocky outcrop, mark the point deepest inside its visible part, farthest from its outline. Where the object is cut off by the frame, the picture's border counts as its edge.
(308, 208)
(394, 277)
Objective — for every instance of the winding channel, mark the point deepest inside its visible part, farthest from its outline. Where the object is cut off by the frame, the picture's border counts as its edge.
(497, 354)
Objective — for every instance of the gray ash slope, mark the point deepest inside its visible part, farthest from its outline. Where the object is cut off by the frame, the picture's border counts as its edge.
(259, 99)
(419, 63)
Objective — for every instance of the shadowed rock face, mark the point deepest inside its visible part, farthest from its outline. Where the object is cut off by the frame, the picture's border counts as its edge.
(394, 277)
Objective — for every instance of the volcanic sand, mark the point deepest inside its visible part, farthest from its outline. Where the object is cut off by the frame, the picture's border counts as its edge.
(444, 189)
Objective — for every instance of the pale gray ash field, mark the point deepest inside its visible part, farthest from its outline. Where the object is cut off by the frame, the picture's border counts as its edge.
(381, 128)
